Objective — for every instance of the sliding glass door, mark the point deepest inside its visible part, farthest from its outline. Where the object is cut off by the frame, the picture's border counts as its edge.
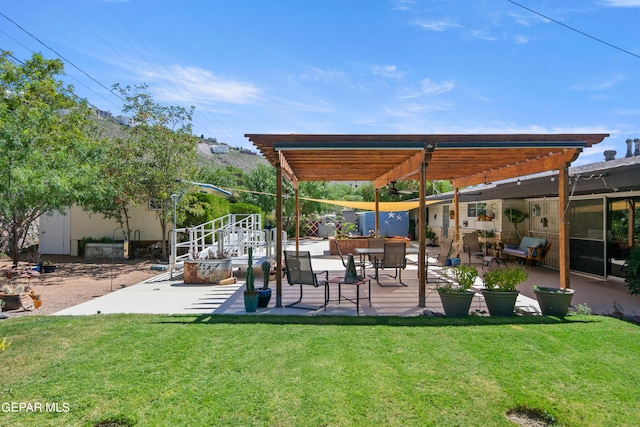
(587, 243)
(623, 231)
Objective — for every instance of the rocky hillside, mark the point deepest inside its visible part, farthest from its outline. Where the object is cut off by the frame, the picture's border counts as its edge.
(241, 159)
(224, 155)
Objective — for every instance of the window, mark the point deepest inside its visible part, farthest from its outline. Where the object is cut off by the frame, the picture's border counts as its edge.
(476, 209)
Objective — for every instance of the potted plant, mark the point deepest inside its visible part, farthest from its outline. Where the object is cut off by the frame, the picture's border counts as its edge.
(264, 293)
(250, 294)
(411, 233)
(430, 235)
(37, 298)
(500, 292)
(454, 292)
(10, 295)
(47, 267)
(553, 301)
(210, 266)
(456, 249)
(15, 297)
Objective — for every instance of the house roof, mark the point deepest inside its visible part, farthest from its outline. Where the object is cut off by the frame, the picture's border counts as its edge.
(463, 159)
(607, 177)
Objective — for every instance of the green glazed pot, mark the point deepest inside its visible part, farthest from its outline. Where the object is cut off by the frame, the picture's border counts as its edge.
(250, 301)
(456, 304)
(500, 303)
(554, 301)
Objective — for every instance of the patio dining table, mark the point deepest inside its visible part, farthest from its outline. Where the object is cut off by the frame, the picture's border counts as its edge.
(376, 252)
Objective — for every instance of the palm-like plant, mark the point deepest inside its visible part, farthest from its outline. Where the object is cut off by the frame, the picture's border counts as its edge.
(515, 217)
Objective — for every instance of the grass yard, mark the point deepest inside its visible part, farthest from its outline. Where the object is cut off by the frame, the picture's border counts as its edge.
(152, 370)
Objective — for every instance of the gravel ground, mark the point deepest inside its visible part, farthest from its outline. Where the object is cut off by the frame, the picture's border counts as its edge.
(77, 280)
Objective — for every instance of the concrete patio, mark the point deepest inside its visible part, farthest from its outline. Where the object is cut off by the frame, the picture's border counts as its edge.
(162, 295)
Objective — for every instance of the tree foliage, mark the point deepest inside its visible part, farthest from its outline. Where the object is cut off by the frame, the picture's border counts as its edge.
(632, 278)
(47, 156)
(118, 189)
(198, 208)
(164, 147)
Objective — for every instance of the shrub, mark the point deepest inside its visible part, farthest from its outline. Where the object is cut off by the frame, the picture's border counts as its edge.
(505, 279)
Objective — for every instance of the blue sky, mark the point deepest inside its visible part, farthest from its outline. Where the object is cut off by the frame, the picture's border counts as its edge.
(353, 66)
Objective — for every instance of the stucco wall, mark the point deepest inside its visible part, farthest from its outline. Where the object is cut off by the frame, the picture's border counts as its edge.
(85, 224)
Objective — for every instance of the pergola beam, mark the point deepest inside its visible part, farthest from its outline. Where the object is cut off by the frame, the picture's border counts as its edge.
(405, 170)
(551, 161)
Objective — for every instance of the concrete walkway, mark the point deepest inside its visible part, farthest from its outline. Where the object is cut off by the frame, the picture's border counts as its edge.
(162, 295)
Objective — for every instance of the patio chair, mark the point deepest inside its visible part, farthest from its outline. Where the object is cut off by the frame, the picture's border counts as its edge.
(394, 256)
(358, 262)
(471, 246)
(299, 272)
(440, 259)
(374, 242)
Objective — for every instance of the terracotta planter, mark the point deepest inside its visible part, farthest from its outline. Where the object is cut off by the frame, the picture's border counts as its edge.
(206, 271)
(554, 301)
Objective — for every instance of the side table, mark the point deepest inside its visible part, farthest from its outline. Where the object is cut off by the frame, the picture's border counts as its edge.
(340, 281)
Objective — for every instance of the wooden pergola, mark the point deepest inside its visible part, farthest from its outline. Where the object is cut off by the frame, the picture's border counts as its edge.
(462, 159)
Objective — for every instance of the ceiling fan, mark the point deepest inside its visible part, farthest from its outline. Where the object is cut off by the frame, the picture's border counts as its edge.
(392, 190)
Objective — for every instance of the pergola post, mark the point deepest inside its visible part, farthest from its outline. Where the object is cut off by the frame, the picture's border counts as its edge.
(456, 215)
(377, 219)
(563, 226)
(278, 253)
(422, 239)
(296, 191)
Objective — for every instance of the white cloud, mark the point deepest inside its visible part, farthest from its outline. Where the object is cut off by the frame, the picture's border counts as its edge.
(390, 71)
(185, 83)
(317, 106)
(478, 34)
(437, 26)
(526, 20)
(603, 85)
(402, 4)
(622, 3)
(432, 88)
(411, 110)
(520, 39)
(316, 74)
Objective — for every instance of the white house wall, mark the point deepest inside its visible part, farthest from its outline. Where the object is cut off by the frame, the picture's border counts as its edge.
(144, 226)
(467, 223)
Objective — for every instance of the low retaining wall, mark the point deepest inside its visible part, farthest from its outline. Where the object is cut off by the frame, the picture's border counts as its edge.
(104, 250)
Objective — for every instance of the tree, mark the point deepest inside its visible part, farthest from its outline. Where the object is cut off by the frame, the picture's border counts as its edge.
(46, 152)
(118, 189)
(227, 177)
(165, 149)
(262, 182)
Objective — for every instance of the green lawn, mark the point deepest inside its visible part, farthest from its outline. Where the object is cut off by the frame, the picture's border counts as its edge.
(319, 371)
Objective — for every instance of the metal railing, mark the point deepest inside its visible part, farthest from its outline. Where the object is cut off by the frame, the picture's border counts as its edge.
(231, 235)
